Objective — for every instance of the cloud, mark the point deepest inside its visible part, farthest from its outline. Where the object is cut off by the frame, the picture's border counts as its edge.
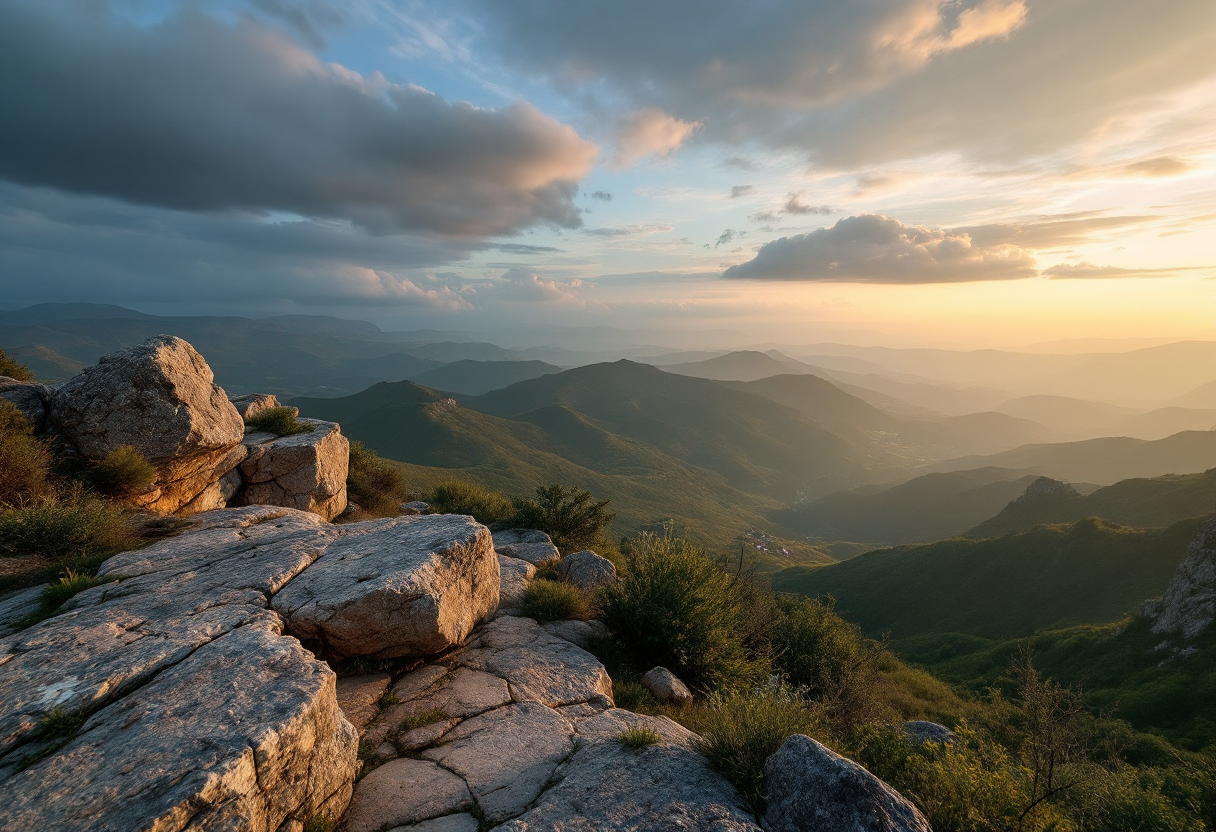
(603, 196)
(519, 248)
(728, 236)
(742, 190)
(1159, 166)
(649, 132)
(194, 114)
(875, 249)
(636, 230)
(1050, 232)
(793, 205)
(519, 284)
(1088, 271)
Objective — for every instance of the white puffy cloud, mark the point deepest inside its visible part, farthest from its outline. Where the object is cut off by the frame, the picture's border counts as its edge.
(649, 132)
(521, 284)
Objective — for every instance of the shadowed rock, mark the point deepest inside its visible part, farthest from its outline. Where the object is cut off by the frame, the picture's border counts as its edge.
(587, 570)
(526, 544)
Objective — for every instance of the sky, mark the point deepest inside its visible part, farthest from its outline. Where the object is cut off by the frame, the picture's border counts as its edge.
(961, 172)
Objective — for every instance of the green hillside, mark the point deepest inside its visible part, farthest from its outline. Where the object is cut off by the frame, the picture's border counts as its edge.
(1146, 503)
(927, 508)
(474, 377)
(757, 445)
(434, 438)
(1011, 586)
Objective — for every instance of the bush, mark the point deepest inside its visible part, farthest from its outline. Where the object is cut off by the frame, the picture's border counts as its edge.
(547, 601)
(25, 461)
(460, 497)
(639, 737)
(13, 369)
(674, 607)
(55, 595)
(739, 732)
(79, 529)
(123, 473)
(571, 516)
(281, 421)
(375, 485)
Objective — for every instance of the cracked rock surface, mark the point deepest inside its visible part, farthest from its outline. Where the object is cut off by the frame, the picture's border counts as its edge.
(302, 470)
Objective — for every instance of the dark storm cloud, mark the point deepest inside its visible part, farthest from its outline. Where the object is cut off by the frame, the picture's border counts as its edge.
(869, 80)
(876, 249)
(193, 114)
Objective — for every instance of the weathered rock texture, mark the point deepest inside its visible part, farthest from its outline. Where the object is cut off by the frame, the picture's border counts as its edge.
(306, 471)
(30, 397)
(251, 404)
(811, 787)
(160, 397)
(666, 686)
(526, 544)
(587, 570)
(198, 711)
(1189, 603)
(401, 586)
(514, 575)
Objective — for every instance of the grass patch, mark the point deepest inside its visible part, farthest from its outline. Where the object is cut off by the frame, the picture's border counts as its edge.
(55, 595)
(14, 369)
(638, 737)
(460, 497)
(421, 720)
(56, 730)
(81, 528)
(319, 824)
(373, 484)
(546, 600)
(629, 693)
(281, 421)
(123, 473)
(25, 460)
(570, 516)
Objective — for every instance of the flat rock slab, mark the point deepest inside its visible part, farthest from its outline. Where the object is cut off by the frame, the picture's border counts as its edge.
(605, 786)
(16, 605)
(304, 470)
(461, 822)
(539, 667)
(526, 544)
(358, 697)
(403, 792)
(400, 586)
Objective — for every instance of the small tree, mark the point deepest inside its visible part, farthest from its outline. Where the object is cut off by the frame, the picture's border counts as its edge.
(571, 516)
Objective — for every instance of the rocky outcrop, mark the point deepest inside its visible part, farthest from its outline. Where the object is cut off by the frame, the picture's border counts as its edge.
(587, 570)
(920, 731)
(1045, 488)
(195, 707)
(30, 397)
(251, 404)
(526, 544)
(666, 686)
(810, 787)
(1189, 603)
(401, 586)
(306, 471)
(161, 398)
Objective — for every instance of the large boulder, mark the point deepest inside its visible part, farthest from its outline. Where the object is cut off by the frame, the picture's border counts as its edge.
(587, 570)
(160, 397)
(196, 709)
(515, 575)
(306, 470)
(400, 586)
(666, 686)
(1189, 603)
(809, 788)
(30, 397)
(526, 544)
(251, 404)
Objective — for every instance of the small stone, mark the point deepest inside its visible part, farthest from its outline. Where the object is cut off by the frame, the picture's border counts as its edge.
(526, 544)
(405, 791)
(587, 570)
(921, 731)
(666, 686)
(358, 697)
(806, 780)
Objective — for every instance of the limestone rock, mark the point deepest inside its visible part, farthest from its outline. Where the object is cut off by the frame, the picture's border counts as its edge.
(304, 470)
(811, 787)
(405, 791)
(506, 755)
(666, 686)
(160, 397)
(1189, 603)
(514, 576)
(358, 695)
(30, 397)
(587, 570)
(921, 731)
(526, 544)
(539, 667)
(251, 404)
(582, 633)
(399, 586)
(663, 788)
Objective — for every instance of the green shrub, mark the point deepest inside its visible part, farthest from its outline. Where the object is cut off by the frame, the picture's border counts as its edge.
(123, 473)
(79, 529)
(638, 737)
(629, 693)
(375, 485)
(55, 595)
(25, 461)
(460, 497)
(547, 601)
(281, 421)
(674, 607)
(740, 731)
(13, 369)
(571, 516)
